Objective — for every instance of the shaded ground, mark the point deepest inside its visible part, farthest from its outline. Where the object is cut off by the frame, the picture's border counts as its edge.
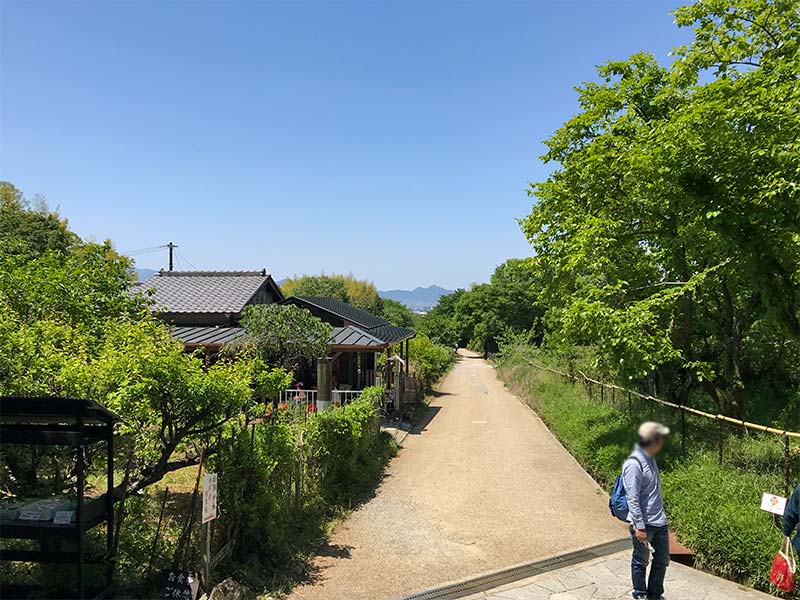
(480, 486)
(609, 578)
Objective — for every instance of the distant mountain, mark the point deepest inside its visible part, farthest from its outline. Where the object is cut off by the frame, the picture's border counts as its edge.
(419, 299)
(145, 273)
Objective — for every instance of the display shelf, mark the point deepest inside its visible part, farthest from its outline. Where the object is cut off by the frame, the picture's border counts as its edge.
(75, 423)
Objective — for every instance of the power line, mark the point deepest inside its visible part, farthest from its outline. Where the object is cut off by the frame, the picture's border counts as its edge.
(144, 250)
(186, 260)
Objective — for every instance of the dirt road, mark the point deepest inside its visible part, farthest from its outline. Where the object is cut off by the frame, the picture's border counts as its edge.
(483, 485)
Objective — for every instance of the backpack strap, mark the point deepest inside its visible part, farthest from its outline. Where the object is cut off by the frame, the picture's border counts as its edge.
(636, 458)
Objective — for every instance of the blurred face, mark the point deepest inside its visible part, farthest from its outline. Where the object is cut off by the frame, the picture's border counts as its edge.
(656, 445)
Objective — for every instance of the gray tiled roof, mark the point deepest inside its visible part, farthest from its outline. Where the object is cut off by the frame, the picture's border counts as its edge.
(203, 291)
(392, 334)
(206, 336)
(346, 311)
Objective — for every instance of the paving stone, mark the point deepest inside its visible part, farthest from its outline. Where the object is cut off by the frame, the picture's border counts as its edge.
(575, 579)
(609, 579)
(552, 582)
(529, 592)
(611, 592)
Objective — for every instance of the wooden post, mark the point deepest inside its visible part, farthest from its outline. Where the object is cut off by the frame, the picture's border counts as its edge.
(683, 432)
(721, 442)
(80, 466)
(110, 504)
(408, 353)
(787, 475)
(207, 556)
(324, 382)
(398, 398)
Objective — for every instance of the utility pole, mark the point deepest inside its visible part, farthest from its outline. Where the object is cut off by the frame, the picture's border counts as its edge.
(171, 247)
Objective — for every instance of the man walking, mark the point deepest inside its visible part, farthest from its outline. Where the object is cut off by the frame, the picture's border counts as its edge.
(648, 521)
(791, 519)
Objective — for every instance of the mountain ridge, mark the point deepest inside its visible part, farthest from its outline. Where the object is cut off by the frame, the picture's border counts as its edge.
(419, 299)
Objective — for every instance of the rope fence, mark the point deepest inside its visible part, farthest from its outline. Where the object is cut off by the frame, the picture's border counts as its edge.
(610, 391)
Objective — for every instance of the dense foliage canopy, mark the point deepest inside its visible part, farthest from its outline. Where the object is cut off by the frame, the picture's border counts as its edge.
(486, 314)
(668, 234)
(69, 325)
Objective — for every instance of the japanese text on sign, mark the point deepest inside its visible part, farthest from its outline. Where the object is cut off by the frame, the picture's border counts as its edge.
(209, 497)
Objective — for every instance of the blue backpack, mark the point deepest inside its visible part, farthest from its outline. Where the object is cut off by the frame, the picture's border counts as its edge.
(618, 503)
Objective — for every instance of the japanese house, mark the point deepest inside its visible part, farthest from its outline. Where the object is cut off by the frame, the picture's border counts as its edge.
(205, 308)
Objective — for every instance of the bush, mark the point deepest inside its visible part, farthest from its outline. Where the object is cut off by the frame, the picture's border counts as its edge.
(715, 511)
(713, 508)
(339, 443)
(430, 360)
(335, 455)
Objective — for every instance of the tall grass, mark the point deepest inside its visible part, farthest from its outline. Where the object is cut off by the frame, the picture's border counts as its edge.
(713, 507)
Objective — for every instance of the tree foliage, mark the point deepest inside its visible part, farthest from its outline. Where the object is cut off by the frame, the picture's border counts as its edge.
(396, 313)
(486, 313)
(282, 335)
(669, 231)
(346, 288)
(70, 326)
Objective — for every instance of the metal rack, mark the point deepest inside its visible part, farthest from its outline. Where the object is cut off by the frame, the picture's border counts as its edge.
(75, 423)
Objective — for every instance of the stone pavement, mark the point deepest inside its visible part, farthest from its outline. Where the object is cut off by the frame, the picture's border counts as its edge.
(608, 578)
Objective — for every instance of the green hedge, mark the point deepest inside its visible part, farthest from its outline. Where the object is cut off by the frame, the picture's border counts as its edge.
(336, 455)
(342, 444)
(713, 508)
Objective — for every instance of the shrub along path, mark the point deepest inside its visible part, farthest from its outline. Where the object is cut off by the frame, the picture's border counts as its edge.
(482, 486)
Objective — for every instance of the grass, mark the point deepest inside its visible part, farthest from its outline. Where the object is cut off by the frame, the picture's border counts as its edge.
(713, 507)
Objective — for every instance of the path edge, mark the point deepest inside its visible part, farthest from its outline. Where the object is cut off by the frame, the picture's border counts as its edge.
(495, 579)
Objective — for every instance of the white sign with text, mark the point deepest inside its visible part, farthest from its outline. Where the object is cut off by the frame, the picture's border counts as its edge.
(209, 497)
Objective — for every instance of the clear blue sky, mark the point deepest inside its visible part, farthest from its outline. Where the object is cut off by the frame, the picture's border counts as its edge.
(393, 140)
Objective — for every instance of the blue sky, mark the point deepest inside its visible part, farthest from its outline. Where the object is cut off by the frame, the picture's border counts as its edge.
(392, 140)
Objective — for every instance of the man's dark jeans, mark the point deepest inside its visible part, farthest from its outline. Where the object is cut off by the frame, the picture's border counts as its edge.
(654, 586)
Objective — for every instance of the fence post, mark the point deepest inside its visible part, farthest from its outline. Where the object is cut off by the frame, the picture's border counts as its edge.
(630, 405)
(721, 442)
(613, 396)
(787, 475)
(590, 391)
(683, 432)
(602, 393)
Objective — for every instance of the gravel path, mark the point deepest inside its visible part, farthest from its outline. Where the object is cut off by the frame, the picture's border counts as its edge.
(483, 485)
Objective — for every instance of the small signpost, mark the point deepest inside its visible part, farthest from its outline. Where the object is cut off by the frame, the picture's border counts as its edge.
(209, 514)
(209, 497)
(773, 504)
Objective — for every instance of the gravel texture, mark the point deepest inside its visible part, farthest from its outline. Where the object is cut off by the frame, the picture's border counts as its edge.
(481, 486)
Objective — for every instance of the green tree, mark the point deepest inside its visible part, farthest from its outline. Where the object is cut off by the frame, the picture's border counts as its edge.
(668, 232)
(30, 232)
(69, 325)
(346, 288)
(484, 314)
(315, 285)
(282, 335)
(396, 312)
